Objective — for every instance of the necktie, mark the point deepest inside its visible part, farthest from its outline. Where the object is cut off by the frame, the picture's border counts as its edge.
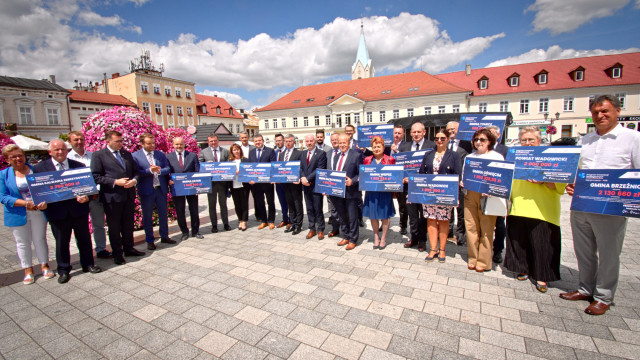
(180, 161)
(156, 181)
(286, 155)
(308, 157)
(340, 163)
(60, 166)
(451, 145)
(278, 154)
(417, 146)
(215, 155)
(259, 153)
(117, 154)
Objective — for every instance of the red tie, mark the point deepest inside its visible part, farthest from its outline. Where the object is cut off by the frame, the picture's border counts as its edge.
(180, 161)
(340, 163)
(308, 157)
(215, 155)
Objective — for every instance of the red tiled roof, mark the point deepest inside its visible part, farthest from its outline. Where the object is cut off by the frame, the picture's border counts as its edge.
(212, 102)
(376, 88)
(99, 98)
(558, 77)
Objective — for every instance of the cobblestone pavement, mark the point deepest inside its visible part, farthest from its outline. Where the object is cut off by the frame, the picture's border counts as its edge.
(268, 295)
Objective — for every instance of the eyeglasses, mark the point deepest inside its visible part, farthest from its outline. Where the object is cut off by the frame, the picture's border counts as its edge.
(441, 139)
(531, 140)
(482, 140)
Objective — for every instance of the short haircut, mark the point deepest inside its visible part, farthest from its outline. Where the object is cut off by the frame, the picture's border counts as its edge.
(258, 136)
(10, 148)
(231, 151)
(377, 140)
(602, 98)
(145, 136)
(50, 145)
(418, 123)
(452, 122)
(351, 126)
(493, 127)
(278, 135)
(212, 135)
(319, 131)
(486, 132)
(109, 134)
(76, 133)
(398, 126)
(290, 136)
(530, 129)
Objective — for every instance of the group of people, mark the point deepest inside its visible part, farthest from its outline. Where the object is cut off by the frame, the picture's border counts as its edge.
(532, 228)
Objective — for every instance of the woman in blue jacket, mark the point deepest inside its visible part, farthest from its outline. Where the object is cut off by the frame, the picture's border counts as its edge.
(20, 213)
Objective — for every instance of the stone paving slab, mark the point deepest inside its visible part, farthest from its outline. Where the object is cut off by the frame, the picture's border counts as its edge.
(269, 295)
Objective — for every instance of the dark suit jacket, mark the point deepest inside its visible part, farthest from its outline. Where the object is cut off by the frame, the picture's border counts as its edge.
(206, 154)
(449, 165)
(62, 209)
(295, 155)
(317, 161)
(408, 145)
(145, 176)
(106, 170)
(501, 149)
(189, 161)
(267, 155)
(352, 167)
(466, 145)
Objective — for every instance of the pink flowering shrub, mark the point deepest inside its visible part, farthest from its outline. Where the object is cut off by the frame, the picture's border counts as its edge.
(131, 123)
(4, 141)
(190, 142)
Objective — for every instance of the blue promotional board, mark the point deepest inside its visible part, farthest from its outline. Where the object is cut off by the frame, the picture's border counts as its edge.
(220, 171)
(381, 178)
(470, 123)
(433, 189)
(368, 132)
(558, 164)
(190, 184)
(285, 171)
(256, 172)
(487, 176)
(330, 182)
(54, 186)
(610, 192)
(411, 160)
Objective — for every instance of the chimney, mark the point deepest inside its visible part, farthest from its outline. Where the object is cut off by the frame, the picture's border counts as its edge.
(115, 75)
(215, 95)
(52, 79)
(467, 69)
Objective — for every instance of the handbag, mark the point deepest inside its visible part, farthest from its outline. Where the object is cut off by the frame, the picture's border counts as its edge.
(493, 206)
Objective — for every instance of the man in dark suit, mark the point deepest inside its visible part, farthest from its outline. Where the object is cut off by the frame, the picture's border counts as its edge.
(282, 199)
(215, 153)
(364, 152)
(501, 229)
(263, 154)
(459, 146)
(312, 159)
(401, 197)
(417, 222)
(348, 161)
(183, 161)
(153, 185)
(114, 169)
(292, 191)
(68, 215)
(334, 219)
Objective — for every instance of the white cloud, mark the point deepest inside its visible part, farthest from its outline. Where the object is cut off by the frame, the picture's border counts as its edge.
(555, 52)
(567, 15)
(90, 18)
(234, 100)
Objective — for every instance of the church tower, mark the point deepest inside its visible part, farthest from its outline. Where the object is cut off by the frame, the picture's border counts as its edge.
(362, 68)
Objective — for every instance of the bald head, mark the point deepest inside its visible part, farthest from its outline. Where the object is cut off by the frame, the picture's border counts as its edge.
(58, 150)
(310, 141)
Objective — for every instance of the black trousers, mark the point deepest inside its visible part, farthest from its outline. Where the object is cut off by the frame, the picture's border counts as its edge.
(284, 204)
(179, 203)
(293, 196)
(241, 202)
(459, 230)
(120, 225)
(260, 192)
(417, 223)
(348, 214)
(499, 235)
(402, 208)
(61, 230)
(313, 202)
(219, 194)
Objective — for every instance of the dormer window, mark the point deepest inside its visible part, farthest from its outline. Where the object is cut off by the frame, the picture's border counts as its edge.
(615, 71)
(514, 80)
(483, 83)
(541, 77)
(578, 75)
(230, 111)
(204, 109)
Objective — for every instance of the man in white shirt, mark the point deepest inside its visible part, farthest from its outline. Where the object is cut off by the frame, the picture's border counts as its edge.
(401, 197)
(96, 210)
(598, 238)
(455, 146)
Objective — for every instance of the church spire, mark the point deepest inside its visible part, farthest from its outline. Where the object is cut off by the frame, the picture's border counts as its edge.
(362, 68)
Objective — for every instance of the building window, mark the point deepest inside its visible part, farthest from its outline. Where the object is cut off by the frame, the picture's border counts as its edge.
(218, 110)
(482, 107)
(396, 114)
(275, 123)
(347, 119)
(169, 109)
(316, 120)
(622, 97)
(167, 90)
(305, 121)
(524, 106)
(567, 131)
(455, 109)
(187, 94)
(542, 78)
(504, 106)
(578, 75)
(513, 81)
(483, 84)
(283, 122)
(383, 116)
(170, 121)
(237, 128)
(295, 122)
(158, 108)
(441, 109)
(356, 118)
(144, 87)
(156, 89)
(544, 105)
(327, 120)
(369, 116)
(178, 92)
(230, 111)
(189, 111)
(568, 103)
(410, 112)
(266, 124)
(616, 72)
(146, 107)
(159, 120)
(427, 110)
(181, 121)
(179, 110)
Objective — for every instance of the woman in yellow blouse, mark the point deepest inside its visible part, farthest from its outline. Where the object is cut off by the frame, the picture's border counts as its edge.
(533, 225)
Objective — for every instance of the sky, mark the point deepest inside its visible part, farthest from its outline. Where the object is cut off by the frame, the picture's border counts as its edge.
(253, 52)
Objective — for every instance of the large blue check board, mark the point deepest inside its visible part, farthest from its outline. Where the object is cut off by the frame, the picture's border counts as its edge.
(368, 132)
(330, 182)
(433, 189)
(220, 171)
(610, 192)
(470, 123)
(285, 171)
(190, 183)
(256, 172)
(558, 164)
(54, 186)
(378, 177)
(410, 160)
(487, 176)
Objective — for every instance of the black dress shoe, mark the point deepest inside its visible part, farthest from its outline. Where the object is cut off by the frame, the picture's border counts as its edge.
(63, 278)
(497, 258)
(167, 241)
(150, 246)
(134, 252)
(360, 223)
(214, 229)
(297, 231)
(461, 240)
(104, 254)
(290, 229)
(184, 237)
(94, 269)
(403, 231)
(119, 260)
(198, 236)
(227, 227)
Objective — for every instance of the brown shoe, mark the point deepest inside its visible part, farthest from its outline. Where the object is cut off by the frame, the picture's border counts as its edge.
(422, 246)
(311, 234)
(409, 244)
(288, 226)
(596, 308)
(282, 224)
(320, 235)
(272, 226)
(334, 233)
(343, 242)
(351, 246)
(575, 296)
(262, 226)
